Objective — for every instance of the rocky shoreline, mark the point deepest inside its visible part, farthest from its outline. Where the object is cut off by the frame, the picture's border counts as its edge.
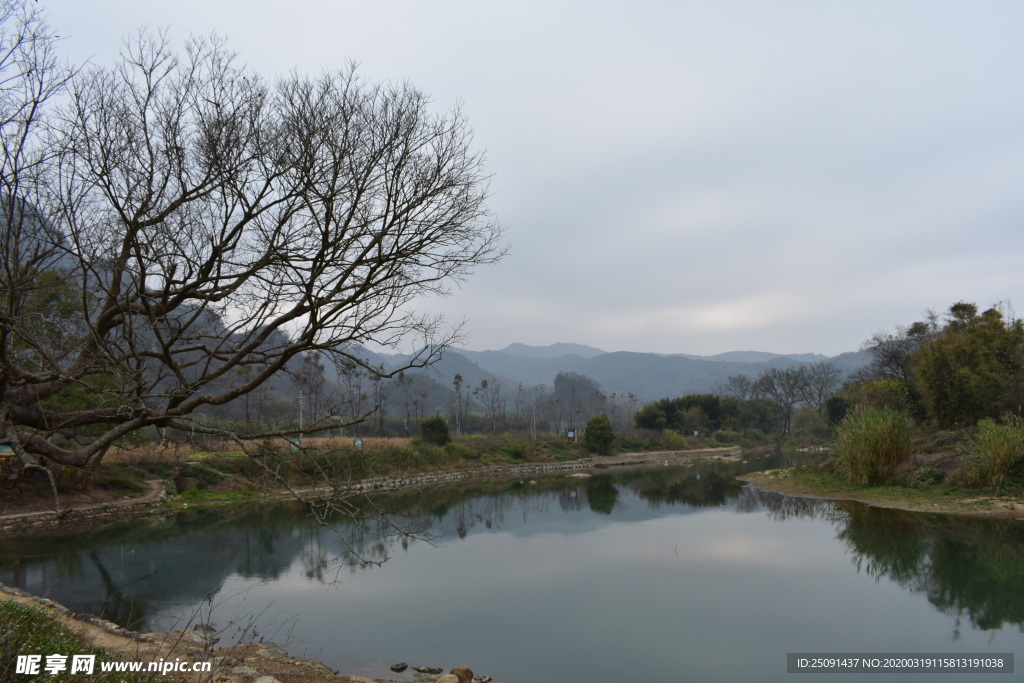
(242, 663)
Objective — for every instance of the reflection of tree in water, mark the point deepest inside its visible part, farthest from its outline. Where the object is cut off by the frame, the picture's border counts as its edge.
(711, 488)
(119, 607)
(973, 567)
(965, 566)
(460, 508)
(782, 507)
(885, 543)
(602, 495)
(968, 567)
(456, 510)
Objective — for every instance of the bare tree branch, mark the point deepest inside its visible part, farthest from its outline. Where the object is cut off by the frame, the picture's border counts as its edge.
(181, 231)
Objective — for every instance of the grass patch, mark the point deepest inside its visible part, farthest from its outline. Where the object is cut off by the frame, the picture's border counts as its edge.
(200, 496)
(29, 630)
(818, 482)
(999, 448)
(123, 479)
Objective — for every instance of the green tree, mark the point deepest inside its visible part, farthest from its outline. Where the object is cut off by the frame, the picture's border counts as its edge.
(973, 368)
(885, 392)
(599, 435)
(434, 430)
(706, 412)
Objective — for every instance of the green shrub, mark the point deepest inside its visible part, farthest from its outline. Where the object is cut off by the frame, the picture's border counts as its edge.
(871, 444)
(928, 476)
(726, 437)
(395, 458)
(429, 454)
(207, 476)
(434, 430)
(998, 447)
(457, 451)
(673, 440)
(599, 435)
(518, 450)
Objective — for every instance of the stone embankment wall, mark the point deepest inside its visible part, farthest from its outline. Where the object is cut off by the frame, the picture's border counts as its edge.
(115, 511)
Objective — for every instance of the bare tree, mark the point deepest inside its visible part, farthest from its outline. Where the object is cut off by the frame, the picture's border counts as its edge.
(31, 75)
(785, 387)
(821, 380)
(189, 221)
(891, 354)
(458, 404)
(351, 379)
(739, 387)
(310, 380)
(380, 383)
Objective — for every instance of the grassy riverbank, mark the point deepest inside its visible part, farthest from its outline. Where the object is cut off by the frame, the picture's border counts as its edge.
(185, 474)
(881, 457)
(813, 481)
(27, 629)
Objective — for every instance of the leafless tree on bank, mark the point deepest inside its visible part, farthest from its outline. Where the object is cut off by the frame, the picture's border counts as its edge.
(183, 229)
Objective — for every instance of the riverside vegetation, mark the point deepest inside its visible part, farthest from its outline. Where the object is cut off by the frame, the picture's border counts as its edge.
(935, 414)
(204, 472)
(935, 417)
(25, 628)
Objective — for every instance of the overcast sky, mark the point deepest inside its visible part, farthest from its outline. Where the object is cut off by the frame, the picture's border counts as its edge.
(688, 177)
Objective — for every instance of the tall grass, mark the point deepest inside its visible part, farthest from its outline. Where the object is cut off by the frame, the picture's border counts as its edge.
(871, 444)
(998, 446)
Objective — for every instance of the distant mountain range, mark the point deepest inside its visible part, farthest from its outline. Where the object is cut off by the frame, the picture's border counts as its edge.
(649, 376)
(552, 351)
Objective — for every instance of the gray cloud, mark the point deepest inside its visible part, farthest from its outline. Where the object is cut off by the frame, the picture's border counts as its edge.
(693, 176)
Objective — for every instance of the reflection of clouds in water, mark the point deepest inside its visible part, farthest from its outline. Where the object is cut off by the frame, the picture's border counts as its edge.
(665, 519)
(965, 566)
(537, 562)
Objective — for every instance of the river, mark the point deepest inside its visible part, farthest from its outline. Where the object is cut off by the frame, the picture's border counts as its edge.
(642, 574)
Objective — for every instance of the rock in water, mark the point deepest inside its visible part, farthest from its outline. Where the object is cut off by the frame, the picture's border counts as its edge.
(400, 667)
(428, 669)
(460, 674)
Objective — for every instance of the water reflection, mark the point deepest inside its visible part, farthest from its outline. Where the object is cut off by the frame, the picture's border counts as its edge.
(969, 569)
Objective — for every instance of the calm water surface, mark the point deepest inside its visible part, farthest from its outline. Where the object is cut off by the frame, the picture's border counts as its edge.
(650, 574)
